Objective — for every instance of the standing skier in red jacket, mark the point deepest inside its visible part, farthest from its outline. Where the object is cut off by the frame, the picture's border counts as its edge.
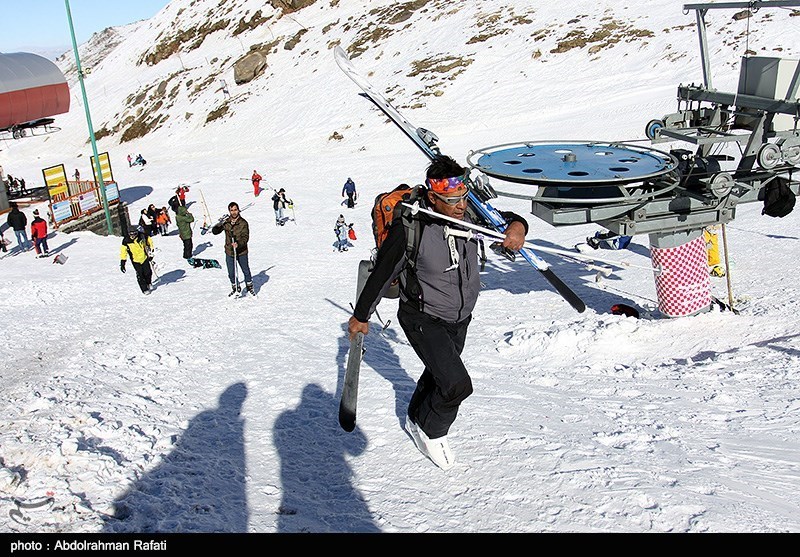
(256, 182)
(39, 235)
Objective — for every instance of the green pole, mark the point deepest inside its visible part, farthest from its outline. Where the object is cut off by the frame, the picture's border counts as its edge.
(97, 170)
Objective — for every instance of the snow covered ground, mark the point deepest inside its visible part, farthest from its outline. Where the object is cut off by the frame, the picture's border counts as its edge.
(188, 411)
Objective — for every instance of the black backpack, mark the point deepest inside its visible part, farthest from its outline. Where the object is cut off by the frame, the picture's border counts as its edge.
(778, 198)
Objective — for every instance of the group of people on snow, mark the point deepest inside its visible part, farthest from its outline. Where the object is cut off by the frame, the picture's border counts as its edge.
(17, 221)
(138, 161)
(138, 244)
(438, 290)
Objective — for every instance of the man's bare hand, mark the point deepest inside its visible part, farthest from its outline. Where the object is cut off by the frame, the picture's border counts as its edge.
(355, 326)
(515, 236)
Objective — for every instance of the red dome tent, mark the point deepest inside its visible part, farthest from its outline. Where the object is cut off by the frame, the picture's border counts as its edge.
(32, 89)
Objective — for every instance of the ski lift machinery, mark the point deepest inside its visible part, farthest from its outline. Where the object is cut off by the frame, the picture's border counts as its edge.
(671, 196)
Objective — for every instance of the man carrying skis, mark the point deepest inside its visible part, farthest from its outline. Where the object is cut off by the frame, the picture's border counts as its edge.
(349, 190)
(256, 179)
(437, 294)
(139, 246)
(237, 234)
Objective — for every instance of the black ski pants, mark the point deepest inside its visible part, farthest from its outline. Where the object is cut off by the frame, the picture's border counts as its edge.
(144, 274)
(187, 248)
(445, 382)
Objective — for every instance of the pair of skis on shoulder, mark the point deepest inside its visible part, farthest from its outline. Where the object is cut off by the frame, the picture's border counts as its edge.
(479, 190)
(478, 199)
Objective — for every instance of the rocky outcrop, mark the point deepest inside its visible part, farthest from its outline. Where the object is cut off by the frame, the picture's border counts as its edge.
(248, 67)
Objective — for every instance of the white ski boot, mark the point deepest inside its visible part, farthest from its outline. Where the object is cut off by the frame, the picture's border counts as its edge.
(438, 450)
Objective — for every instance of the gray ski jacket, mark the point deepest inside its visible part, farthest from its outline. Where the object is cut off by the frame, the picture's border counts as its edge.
(436, 286)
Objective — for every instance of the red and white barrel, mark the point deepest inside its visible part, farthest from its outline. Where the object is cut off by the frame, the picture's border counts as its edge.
(683, 286)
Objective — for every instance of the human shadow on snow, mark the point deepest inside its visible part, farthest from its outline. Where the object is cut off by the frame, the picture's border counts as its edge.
(200, 485)
(170, 277)
(261, 279)
(200, 248)
(318, 493)
(519, 277)
(771, 343)
(134, 194)
(62, 247)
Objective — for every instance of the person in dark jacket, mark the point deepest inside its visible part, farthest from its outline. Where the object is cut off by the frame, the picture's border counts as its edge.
(237, 234)
(437, 296)
(152, 212)
(349, 190)
(39, 234)
(139, 247)
(146, 223)
(17, 221)
(184, 220)
(279, 203)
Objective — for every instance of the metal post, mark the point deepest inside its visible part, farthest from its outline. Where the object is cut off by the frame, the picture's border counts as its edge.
(701, 32)
(89, 122)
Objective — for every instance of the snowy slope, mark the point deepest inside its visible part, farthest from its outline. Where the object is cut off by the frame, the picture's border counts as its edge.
(188, 411)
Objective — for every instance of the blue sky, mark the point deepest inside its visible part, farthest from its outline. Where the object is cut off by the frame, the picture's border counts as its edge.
(41, 25)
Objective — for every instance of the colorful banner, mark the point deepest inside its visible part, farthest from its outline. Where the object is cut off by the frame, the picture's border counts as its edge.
(87, 201)
(112, 191)
(55, 178)
(62, 211)
(105, 167)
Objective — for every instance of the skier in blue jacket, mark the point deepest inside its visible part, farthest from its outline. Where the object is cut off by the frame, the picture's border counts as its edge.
(349, 190)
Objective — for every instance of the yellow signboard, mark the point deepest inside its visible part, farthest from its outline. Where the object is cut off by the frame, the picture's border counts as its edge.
(55, 178)
(105, 168)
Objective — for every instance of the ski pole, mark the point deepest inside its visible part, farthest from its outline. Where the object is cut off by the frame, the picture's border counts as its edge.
(235, 260)
(727, 268)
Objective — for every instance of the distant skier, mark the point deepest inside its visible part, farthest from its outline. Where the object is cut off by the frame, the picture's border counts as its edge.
(77, 175)
(437, 296)
(237, 234)
(256, 179)
(17, 221)
(180, 191)
(39, 234)
(130, 160)
(279, 203)
(349, 190)
(138, 246)
(340, 229)
(184, 220)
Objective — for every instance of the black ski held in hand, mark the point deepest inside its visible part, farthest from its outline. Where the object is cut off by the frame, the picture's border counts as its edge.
(349, 401)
